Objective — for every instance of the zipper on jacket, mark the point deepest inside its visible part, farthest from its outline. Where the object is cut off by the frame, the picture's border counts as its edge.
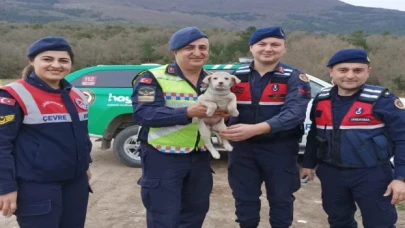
(255, 103)
(336, 156)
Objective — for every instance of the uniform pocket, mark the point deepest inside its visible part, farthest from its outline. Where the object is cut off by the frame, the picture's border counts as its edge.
(34, 209)
(148, 185)
(295, 178)
(364, 155)
(387, 212)
(37, 160)
(381, 147)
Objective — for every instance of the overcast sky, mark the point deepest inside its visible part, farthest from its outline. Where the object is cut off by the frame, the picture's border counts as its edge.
(388, 4)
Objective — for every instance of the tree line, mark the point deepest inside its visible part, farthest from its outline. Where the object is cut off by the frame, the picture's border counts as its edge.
(130, 44)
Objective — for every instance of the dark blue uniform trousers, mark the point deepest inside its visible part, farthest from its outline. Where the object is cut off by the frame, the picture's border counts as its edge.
(341, 189)
(52, 205)
(175, 188)
(274, 163)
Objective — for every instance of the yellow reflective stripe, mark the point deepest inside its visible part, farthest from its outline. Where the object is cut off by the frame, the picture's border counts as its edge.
(177, 104)
(162, 131)
(170, 78)
(184, 137)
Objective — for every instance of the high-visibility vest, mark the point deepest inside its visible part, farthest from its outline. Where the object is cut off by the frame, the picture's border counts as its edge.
(362, 139)
(179, 139)
(41, 107)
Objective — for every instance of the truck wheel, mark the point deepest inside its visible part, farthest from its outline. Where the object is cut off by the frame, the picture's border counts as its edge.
(126, 148)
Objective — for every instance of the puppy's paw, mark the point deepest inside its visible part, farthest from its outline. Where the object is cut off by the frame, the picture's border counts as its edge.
(210, 113)
(216, 155)
(228, 147)
(234, 113)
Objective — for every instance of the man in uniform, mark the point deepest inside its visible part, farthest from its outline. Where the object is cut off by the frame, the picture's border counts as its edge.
(272, 101)
(356, 129)
(176, 179)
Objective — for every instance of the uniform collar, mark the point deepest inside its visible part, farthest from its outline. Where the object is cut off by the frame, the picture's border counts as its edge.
(334, 91)
(278, 68)
(174, 69)
(34, 80)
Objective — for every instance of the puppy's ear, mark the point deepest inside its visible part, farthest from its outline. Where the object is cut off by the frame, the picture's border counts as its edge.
(207, 79)
(235, 79)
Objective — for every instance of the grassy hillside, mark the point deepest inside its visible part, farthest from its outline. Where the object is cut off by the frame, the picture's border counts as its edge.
(322, 16)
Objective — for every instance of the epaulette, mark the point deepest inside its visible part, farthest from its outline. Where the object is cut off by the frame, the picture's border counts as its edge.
(243, 70)
(371, 93)
(286, 72)
(324, 93)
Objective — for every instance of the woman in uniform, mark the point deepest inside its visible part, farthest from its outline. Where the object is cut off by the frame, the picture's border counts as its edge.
(44, 142)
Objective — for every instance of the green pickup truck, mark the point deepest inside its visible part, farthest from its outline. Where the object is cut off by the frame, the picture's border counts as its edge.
(108, 89)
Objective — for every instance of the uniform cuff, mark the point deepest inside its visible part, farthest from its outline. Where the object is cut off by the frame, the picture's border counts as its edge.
(309, 163)
(399, 171)
(275, 125)
(8, 187)
(180, 115)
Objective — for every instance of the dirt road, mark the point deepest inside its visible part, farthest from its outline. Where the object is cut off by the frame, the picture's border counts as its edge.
(116, 200)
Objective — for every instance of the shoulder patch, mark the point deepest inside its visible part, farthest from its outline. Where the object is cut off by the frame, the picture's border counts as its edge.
(398, 103)
(6, 119)
(7, 101)
(81, 104)
(91, 97)
(304, 91)
(171, 70)
(304, 77)
(146, 80)
(146, 94)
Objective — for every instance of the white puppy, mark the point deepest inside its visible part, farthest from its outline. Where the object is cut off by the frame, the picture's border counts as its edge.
(217, 95)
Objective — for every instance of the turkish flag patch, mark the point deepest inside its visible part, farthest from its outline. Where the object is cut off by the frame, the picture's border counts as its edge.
(146, 80)
(7, 101)
(304, 91)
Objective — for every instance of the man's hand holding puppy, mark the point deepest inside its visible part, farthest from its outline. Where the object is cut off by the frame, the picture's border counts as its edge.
(200, 111)
(239, 132)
